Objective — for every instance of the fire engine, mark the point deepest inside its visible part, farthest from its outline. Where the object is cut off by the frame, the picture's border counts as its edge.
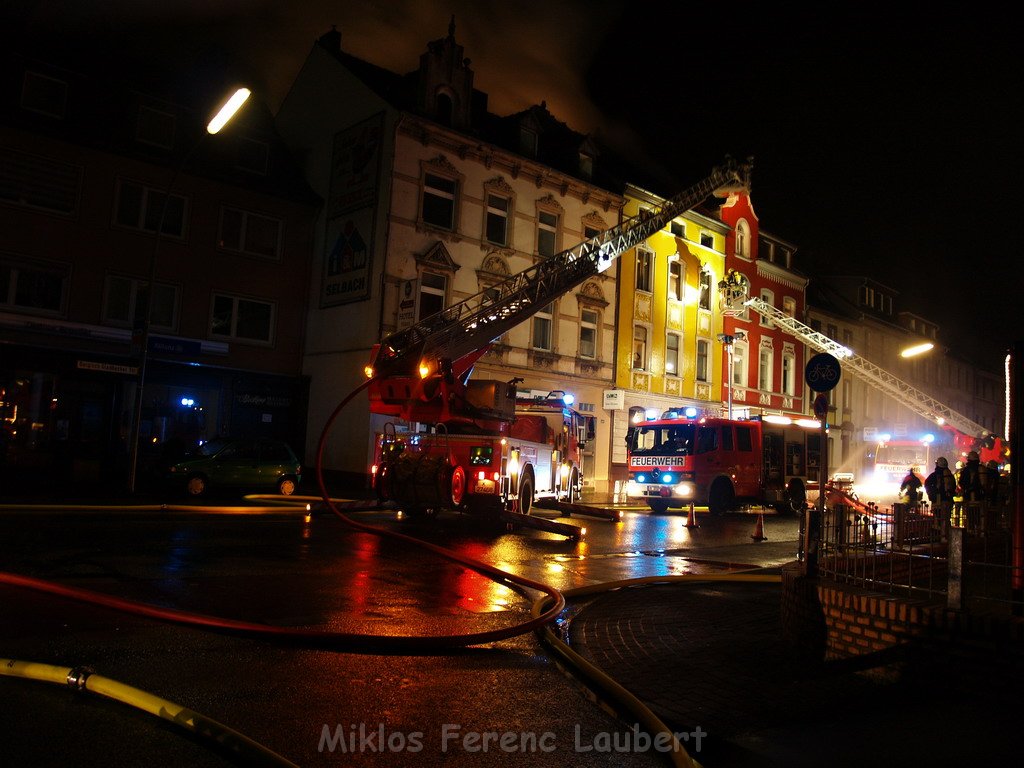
(484, 449)
(720, 463)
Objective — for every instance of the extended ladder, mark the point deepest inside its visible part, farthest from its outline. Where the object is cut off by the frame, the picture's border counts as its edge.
(919, 402)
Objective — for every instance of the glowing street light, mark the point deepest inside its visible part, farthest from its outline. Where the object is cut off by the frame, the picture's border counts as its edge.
(228, 110)
(917, 349)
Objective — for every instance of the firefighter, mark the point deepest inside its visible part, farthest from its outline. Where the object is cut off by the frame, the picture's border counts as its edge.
(940, 486)
(970, 488)
(910, 489)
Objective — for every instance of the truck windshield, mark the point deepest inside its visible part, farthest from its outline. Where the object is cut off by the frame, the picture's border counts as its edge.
(653, 440)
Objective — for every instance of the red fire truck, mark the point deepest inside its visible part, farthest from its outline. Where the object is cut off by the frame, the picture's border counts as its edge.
(675, 461)
(532, 453)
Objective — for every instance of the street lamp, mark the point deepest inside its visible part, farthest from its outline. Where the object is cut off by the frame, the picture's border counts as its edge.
(221, 118)
(729, 340)
(917, 349)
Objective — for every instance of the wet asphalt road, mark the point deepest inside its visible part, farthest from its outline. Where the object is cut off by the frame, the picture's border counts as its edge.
(281, 569)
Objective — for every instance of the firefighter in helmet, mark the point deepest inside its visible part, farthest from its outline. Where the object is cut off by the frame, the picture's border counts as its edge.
(910, 488)
(940, 486)
(970, 486)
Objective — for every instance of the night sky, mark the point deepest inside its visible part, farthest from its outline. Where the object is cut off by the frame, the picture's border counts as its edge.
(885, 142)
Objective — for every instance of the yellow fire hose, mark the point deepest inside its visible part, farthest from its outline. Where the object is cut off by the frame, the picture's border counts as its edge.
(82, 679)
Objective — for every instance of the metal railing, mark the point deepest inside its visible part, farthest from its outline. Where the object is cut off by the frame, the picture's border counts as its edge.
(906, 550)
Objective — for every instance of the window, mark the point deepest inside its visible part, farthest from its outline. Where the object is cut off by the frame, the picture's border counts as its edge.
(672, 354)
(788, 374)
(155, 127)
(439, 201)
(739, 364)
(433, 292)
(124, 304)
(586, 166)
(789, 306)
(707, 240)
(588, 334)
(639, 348)
(743, 238)
(703, 346)
(252, 155)
(547, 231)
(249, 233)
(832, 332)
(528, 141)
(144, 208)
(590, 232)
(678, 229)
(644, 261)
(542, 322)
(768, 297)
(242, 319)
(675, 279)
(765, 364)
(39, 287)
(744, 438)
(45, 95)
(29, 181)
(705, 289)
(496, 227)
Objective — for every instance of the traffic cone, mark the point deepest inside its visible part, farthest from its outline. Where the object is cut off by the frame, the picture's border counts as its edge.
(758, 534)
(691, 517)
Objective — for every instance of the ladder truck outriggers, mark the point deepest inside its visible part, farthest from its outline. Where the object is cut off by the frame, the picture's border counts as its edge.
(966, 434)
(484, 453)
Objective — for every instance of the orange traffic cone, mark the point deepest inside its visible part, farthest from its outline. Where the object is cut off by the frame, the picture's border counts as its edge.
(691, 517)
(758, 534)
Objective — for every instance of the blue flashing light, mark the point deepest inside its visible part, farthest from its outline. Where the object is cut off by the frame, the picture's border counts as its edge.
(569, 399)
(666, 478)
(188, 402)
(929, 438)
(690, 412)
(641, 478)
(651, 414)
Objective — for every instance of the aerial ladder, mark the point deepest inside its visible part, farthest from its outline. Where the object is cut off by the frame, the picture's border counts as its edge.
(473, 460)
(970, 434)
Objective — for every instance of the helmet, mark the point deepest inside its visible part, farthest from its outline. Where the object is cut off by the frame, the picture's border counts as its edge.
(972, 456)
(915, 470)
(941, 462)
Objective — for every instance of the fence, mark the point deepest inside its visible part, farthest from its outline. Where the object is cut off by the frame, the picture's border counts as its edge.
(907, 550)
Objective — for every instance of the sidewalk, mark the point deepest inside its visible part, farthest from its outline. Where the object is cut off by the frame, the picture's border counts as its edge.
(712, 655)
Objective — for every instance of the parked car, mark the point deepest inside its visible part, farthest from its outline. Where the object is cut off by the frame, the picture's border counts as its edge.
(251, 464)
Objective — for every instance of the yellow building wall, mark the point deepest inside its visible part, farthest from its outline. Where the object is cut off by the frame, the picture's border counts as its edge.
(660, 315)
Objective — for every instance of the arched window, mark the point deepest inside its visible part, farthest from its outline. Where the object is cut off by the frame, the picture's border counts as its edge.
(743, 239)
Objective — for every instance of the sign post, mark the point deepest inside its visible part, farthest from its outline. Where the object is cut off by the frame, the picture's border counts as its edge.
(822, 375)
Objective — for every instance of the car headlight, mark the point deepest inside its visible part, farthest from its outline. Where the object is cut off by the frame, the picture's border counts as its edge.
(633, 489)
(684, 489)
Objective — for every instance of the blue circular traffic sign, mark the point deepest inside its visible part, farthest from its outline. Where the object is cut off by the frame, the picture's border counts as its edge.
(822, 372)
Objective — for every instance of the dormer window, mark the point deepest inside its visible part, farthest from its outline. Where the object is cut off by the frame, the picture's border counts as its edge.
(586, 166)
(44, 95)
(527, 141)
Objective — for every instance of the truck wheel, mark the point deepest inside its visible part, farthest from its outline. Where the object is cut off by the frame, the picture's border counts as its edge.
(658, 506)
(574, 488)
(458, 487)
(526, 495)
(722, 498)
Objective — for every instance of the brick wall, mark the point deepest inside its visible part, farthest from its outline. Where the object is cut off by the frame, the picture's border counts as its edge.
(891, 636)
